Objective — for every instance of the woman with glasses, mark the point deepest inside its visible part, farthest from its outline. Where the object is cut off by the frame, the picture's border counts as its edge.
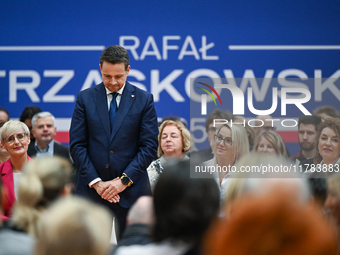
(15, 138)
(231, 143)
(173, 143)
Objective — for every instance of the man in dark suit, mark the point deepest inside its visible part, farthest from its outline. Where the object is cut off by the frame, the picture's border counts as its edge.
(113, 137)
(44, 131)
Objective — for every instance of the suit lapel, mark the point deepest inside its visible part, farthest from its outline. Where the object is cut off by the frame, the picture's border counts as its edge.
(102, 110)
(126, 101)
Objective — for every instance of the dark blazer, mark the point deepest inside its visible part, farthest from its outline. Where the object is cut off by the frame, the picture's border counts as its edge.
(129, 148)
(59, 150)
(6, 171)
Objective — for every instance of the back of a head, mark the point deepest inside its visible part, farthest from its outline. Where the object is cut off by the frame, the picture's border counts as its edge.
(43, 181)
(29, 112)
(184, 206)
(327, 111)
(74, 226)
(141, 212)
(262, 173)
(271, 224)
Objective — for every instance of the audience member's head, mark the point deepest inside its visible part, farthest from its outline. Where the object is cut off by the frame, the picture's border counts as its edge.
(231, 143)
(263, 123)
(74, 226)
(332, 203)
(4, 115)
(27, 115)
(211, 128)
(43, 128)
(260, 173)
(271, 224)
(44, 180)
(270, 142)
(327, 142)
(173, 139)
(326, 111)
(174, 118)
(184, 206)
(141, 212)
(307, 127)
(318, 188)
(250, 130)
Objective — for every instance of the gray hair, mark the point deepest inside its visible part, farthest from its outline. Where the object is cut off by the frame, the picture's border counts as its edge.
(42, 115)
(11, 127)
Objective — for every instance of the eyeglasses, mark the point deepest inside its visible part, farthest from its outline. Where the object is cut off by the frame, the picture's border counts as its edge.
(227, 141)
(11, 139)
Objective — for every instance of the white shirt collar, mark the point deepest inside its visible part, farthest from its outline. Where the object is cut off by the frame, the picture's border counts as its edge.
(120, 92)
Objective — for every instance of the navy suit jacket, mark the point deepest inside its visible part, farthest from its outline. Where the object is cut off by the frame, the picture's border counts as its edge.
(129, 148)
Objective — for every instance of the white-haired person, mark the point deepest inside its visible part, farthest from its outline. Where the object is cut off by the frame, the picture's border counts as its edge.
(74, 226)
(15, 138)
(44, 180)
(231, 143)
(173, 144)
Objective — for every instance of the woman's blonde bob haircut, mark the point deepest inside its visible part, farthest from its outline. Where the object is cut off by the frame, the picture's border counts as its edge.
(11, 127)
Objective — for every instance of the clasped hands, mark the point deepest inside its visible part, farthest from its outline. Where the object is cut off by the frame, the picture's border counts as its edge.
(109, 190)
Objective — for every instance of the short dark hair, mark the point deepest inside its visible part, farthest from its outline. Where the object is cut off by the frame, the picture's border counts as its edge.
(115, 55)
(318, 187)
(328, 110)
(217, 114)
(310, 119)
(5, 110)
(29, 112)
(184, 206)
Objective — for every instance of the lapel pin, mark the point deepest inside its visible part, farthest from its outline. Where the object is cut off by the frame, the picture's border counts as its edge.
(132, 95)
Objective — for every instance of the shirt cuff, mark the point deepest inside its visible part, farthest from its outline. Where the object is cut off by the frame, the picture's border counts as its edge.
(94, 181)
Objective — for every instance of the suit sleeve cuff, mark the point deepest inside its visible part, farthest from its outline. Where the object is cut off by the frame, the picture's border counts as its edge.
(94, 181)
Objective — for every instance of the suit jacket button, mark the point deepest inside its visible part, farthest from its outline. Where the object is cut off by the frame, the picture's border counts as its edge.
(111, 152)
(106, 166)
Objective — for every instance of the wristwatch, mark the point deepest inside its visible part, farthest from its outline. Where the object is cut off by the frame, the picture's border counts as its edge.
(126, 180)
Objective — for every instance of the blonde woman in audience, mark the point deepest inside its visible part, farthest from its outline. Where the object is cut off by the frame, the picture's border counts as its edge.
(44, 180)
(173, 144)
(231, 143)
(74, 226)
(15, 138)
(270, 142)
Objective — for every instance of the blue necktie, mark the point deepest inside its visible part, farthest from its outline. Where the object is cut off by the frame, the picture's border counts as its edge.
(113, 108)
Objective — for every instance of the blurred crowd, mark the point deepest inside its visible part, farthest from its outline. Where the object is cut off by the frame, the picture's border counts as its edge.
(283, 204)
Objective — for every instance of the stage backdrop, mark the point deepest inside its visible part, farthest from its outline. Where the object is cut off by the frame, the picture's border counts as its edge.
(49, 51)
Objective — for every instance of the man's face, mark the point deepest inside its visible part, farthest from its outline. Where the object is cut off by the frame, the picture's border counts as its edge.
(44, 130)
(307, 135)
(114, 75)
